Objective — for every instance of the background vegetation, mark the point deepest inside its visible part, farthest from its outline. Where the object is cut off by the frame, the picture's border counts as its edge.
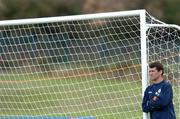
(165, 10)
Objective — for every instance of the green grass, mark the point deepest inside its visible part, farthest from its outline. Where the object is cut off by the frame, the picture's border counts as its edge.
(83, 96)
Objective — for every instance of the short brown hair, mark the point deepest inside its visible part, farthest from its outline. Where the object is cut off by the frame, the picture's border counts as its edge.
(158, 66)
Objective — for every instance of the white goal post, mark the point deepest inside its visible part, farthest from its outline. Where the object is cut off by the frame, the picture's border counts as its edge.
(84, 66)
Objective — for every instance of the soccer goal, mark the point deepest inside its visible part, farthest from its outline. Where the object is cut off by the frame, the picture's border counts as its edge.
(92, 66)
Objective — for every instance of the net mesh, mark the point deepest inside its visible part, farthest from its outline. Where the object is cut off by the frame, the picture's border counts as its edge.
(164, 46)
(86, 68)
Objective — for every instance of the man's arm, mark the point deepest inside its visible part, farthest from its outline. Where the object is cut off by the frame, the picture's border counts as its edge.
(145, 103)
(161, 100)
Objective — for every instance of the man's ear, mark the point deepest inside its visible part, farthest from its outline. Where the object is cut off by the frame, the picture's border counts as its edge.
(160, 72)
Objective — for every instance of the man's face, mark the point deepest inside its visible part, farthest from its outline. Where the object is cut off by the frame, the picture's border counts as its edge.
(154, 73)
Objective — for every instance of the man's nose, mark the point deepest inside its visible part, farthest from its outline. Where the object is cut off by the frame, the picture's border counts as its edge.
(150, 73)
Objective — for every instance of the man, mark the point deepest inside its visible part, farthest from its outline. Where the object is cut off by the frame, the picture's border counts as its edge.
(158, 97)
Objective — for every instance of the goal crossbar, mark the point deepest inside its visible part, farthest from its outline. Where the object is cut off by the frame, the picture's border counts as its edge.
(70, 18)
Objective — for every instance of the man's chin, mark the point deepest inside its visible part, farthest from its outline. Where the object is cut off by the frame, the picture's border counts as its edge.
(152, 79)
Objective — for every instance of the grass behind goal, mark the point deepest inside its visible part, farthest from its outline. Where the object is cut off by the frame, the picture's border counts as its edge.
(70, 97)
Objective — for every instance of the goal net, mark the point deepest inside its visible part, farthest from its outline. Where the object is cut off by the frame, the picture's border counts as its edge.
(84, 66)
(164, 45)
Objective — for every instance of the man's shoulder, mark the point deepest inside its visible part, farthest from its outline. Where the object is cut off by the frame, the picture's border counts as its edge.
(166, 83)
(149, 87)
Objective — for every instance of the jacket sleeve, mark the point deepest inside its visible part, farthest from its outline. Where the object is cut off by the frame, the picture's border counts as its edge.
(145, 102)
(163, 98)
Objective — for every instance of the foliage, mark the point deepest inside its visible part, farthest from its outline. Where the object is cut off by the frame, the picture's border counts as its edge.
(166, 10)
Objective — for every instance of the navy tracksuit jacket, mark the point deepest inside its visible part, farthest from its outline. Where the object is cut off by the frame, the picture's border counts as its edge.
(158, 101)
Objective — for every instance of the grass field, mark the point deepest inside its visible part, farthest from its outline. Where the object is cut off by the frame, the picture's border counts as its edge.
(36, 95)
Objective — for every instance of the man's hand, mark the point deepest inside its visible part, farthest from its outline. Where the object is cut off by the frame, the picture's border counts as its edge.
(154, 98)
